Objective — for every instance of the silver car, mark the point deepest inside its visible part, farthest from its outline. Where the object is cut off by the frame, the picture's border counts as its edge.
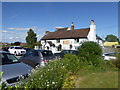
(12, 68)
(37, 57)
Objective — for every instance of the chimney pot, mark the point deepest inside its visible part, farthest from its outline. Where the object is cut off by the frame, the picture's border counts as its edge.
(72, 26)
(46, 32)
(92, 22)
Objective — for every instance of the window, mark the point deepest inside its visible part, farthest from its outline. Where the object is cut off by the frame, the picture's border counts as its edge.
(59, 48)
(11, 47)
(18, 47)
(58, 41)
(6, 58)
(77, 39)
(32, 53)
(47, 53)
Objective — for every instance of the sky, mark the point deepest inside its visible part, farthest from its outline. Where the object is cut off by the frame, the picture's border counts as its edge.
(19, 17)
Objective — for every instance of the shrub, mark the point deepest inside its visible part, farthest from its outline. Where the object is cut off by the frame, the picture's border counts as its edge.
(116, 63)
(56, 75)
(90, 52)
(71, 63)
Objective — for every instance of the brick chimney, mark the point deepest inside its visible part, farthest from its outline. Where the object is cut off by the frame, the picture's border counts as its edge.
(72, 26)
(46, 32)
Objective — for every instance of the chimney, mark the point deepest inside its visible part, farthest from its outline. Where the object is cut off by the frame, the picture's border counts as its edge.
(92, 32)
(92, 22)
(72, 26)
(46, 32)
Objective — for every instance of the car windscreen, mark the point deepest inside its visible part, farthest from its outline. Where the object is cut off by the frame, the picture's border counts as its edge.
(110, 54)
(46, 53)
(18, 48)
(6, 58)
(65, 52)
(32, 53)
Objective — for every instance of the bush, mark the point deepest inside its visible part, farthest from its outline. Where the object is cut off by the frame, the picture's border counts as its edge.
(90, 52)
(56, 75)
(116, 63)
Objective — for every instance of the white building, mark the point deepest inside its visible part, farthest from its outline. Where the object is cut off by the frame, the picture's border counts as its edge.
(66, 38)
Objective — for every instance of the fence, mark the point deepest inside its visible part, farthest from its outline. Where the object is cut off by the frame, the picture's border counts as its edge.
(110, 49)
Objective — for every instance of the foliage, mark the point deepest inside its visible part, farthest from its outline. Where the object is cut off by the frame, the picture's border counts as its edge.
(31, 39)
(90, 52)
(38, 44)
(111, 38)
(17, 43)
(61, 73)
(115, 63)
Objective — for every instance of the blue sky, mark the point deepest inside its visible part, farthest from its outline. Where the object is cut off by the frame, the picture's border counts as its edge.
(18, 17)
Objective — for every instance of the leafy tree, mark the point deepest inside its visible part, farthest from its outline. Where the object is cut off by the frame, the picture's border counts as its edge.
(31, 39)
(90, 52)
(111, 38)
(17, 43)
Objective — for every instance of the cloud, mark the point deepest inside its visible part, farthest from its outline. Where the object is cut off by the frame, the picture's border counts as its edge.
(35, 28)
(21, 36)
(5, 31)
(19, 29)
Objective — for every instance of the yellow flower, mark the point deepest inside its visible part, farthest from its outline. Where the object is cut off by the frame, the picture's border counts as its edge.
(72, 77)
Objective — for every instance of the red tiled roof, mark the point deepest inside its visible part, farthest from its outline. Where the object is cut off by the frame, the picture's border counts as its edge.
(77, 33)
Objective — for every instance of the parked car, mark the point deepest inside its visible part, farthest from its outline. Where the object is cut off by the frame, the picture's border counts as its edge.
(12, 68)
(5, 49)
(37, 57)
(110, 56)
(27, 49)
(17, 50)
(63, 52)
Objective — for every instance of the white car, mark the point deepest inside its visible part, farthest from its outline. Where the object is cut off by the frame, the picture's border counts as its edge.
(109, 56)
(17, 50)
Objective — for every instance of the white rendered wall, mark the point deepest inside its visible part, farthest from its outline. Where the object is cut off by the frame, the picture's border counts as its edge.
(64, 46)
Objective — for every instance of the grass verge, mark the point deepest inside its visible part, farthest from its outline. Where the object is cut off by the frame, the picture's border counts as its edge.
(107, 79)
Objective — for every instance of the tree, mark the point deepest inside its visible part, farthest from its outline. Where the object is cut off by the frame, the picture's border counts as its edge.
(31, 39)
(111, 38)
(90, 52)
(17, 43)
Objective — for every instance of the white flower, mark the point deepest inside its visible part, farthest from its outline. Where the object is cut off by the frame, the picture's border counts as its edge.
(47, 85)
(31, 79)
(53, 82)
(41, 75)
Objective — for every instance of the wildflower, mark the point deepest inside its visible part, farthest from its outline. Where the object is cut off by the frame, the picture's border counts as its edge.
(70, 73)
(39, 78)
(53, 82)
(41, 75)
(31, 79)
(47, 85)
(72, 77)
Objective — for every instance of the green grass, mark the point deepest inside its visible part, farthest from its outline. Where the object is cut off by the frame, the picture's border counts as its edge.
(107, 79)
